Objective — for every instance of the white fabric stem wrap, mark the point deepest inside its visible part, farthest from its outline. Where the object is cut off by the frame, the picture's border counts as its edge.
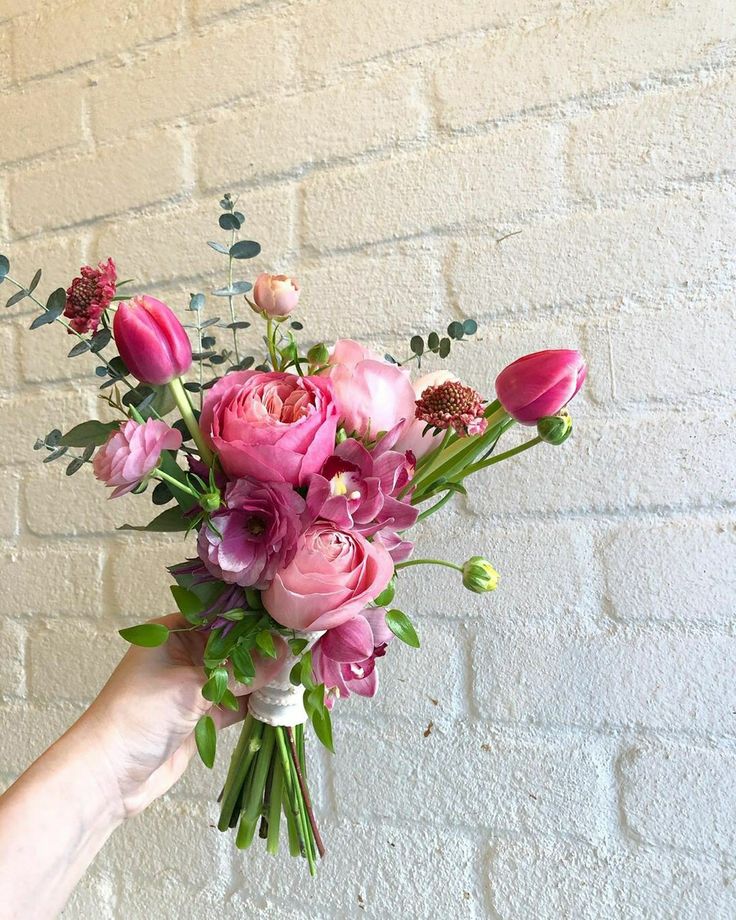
(280, 702)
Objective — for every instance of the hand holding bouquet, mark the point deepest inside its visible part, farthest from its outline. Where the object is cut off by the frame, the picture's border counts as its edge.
(299, 475)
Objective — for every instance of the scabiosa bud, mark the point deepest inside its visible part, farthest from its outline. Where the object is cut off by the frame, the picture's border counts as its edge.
(452, 405)
(479, 575)
(89, 295)
(554, 429)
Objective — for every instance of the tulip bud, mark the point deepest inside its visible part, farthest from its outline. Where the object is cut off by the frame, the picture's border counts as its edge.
(318, 355)
(479, 575)
(151, 341)
(540, 384)
(554, 429)
(275, 295)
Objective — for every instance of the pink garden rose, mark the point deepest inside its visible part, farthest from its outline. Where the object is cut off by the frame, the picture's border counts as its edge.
(344, 659)
(332, 577)
(131, 452)
(275, 295)
(258, 528)
(270, 426)
(372, 395)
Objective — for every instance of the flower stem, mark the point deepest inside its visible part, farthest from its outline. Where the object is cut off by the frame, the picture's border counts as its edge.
(436, 507)
(449, 565)
(230, 300)
(499, 457)
(305, 793)
(270, 330)
(181, 398)
(159, 474)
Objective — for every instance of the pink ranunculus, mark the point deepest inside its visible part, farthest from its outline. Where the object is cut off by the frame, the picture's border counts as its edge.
(131, 452)
(275, 295)
(413, 438)
(332, 577)
(372, 395)
(89, 295)
(540, 384)
(270, 426)
(152, 342)
(344, 659)
(259, 527)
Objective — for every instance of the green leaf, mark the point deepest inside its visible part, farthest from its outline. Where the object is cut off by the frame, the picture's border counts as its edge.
(455, 330)
(190, 606)
(34, 283)
(243, 667)
(170, 521)
(470, 327)
(79, 349)
(172, 468)
(215, 688)
(245, 249)
(322, 723)
(4, 267)
(417, 344)
(16, 298)
(229, 222)
(305, 668)
(74, 467)
(161, 495)
(387, 595)
(55, 454)
(218, 247)
(100, 340)
(264, 641)
(54, 308)
(297, 646)
(400, 625)
(147, 635)
(91, 432)
(433, 341)
(206, 739)
(445, 346)
(230, 701)
(237, 287)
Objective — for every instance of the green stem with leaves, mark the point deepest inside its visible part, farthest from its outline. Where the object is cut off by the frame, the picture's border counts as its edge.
(230, 299)
(181, 398)
(270, 340)
(475, 467)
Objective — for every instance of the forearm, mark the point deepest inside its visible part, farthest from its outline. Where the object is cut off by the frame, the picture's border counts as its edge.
(53, 821)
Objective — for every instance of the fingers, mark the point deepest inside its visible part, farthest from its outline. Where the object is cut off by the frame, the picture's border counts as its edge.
(223, 717)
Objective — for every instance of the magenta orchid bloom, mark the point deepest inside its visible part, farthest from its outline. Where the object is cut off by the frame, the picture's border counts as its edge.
(344, 659)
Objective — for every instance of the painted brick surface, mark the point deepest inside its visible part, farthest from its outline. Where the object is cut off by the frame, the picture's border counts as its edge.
(561, 170)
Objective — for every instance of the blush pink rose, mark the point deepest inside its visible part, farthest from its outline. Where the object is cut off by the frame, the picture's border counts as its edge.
(131, 452)
(372, 395)
(270, 426)
(275, 295)
(331, 579)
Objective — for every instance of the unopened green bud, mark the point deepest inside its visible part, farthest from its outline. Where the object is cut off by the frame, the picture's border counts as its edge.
(318, 354)
(479, 575)
(554, 429)
(210, 501)
(341, 436)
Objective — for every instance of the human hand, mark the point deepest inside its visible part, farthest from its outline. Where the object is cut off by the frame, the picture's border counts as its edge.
(142, 723)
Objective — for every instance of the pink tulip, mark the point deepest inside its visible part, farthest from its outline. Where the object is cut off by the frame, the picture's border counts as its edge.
(275, 295)
(540, 384)
(151, 340)
(131, 452)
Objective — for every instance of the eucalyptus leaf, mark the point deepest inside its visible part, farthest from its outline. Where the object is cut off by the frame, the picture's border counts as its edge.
(161, 495)
(80, 348)
(455, 330)
(218, 247)
(445, 346)
(55, 454)
(74, 467)
(4, 267)
(34, 283)
(245, 249)
(210, 322)
(148, 635)
(400, 625)
(238, 287)
(417, 345)
(16, 298)
(91, 432)
(100, 340)
(229, 221)
(206, 739)
(470, 327)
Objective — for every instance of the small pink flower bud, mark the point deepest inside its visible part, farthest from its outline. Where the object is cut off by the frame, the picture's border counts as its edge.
(151, 341)
(131, 452)
(275, 295)
(540, 384)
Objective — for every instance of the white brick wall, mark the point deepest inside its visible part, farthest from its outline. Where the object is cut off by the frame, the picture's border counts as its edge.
(581, 757)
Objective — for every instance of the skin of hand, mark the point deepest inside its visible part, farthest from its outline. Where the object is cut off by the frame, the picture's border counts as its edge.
(129, 747)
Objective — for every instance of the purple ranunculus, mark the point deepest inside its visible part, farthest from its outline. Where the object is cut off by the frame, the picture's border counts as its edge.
(359, 489)
(344, 659)
(258, 530)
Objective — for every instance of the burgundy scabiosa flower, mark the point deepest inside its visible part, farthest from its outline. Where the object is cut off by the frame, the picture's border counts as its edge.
(452, 405)
(344, 659)
(88, 296)
(254, 534)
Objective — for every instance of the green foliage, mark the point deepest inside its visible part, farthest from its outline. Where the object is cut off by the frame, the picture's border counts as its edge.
(205, 737)
(189, 604)
(245, 249)
(319, 715)
(147, 635)
(216, 685)
(170, 521)
(4, 267)
(54, 307)
(401, 626)
(86, 434)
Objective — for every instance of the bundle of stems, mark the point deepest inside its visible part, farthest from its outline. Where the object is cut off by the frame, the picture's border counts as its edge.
(268, 776)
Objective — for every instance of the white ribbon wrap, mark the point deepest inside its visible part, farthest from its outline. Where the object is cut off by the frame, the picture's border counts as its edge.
(280, 702)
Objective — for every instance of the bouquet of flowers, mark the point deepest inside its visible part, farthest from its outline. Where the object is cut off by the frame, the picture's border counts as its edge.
(298, 474)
